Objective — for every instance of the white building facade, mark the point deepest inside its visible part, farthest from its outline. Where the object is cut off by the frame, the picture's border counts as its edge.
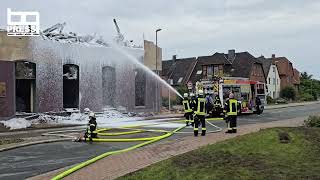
(273, 82)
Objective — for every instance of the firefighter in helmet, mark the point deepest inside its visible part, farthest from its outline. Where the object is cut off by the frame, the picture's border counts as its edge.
(92, 126)
(231, 112)
(217, 107)
(187, 108)
(200, 113)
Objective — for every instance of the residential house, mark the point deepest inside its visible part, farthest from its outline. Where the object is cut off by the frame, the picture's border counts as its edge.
(273, 79)
(286, 72)
(177, 72)
(233, 64)
(296, 77)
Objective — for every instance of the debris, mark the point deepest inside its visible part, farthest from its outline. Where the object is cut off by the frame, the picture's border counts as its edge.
(284, 137)
(56, 33)
(16, 123)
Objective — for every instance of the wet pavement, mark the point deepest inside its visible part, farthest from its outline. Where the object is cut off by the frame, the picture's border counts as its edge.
(37, 159)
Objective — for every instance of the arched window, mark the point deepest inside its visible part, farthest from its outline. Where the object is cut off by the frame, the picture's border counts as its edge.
(108, 86)
(140, 87)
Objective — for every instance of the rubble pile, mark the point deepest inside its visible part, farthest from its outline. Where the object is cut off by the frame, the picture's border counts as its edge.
(56, 33)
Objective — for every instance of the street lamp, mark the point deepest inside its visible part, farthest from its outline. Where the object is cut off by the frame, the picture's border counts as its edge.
(157, 88)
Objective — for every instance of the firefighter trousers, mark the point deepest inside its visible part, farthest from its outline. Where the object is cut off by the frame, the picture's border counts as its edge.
(189, 117)
(232, 124)
(199, 119)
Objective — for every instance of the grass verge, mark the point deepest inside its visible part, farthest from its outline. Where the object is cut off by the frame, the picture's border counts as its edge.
(261, 155)
(10, 141)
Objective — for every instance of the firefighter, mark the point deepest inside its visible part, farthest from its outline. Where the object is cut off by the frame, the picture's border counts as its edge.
(217, 106)
(209, 106)
(193, 103)
(92, 126)
(187, 109)
(200, 113)
(231, 110)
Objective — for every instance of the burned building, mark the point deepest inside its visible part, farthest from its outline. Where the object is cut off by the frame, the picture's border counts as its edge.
(38, 75)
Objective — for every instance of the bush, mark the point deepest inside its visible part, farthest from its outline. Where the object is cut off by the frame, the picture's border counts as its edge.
(281, 101)
(270, 100)
(307, 97)
(312, 121)
(181, 89)
(288, 93)
(165, 101)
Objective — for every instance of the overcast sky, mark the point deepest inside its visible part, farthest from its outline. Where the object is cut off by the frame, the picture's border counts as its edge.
(289, 28)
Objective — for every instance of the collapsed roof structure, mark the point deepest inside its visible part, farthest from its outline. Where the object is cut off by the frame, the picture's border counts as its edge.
(56, 33)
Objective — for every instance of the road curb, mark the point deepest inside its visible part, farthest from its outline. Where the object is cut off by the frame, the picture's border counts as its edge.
(317, 102)
(34, 143)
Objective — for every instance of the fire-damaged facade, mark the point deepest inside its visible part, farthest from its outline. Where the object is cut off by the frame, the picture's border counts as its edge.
(39, 75)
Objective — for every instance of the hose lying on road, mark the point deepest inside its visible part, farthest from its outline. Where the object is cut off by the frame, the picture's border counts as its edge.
(148, 140)
(86, 163)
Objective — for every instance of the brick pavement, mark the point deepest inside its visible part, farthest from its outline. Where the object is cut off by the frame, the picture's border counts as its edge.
(117, 165)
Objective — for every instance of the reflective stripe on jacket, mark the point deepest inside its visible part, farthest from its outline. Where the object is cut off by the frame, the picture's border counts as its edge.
(186, 106)
(233, 107)
(201, 109)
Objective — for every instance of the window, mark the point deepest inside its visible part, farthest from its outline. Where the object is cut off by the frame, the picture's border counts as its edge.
(209, 72)
(140, 87)
(216, 70)
(269, 81)
(204, 72)
(199, 72)
(180, 80)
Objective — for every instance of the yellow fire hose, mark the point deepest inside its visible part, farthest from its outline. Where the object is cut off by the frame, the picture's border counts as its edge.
(119, 133)
(208, 119)
(86, 163)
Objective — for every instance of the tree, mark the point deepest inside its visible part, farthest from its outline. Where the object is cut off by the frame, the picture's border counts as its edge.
(288, 93)
(181, 89)
(305, 75)
(309, 87)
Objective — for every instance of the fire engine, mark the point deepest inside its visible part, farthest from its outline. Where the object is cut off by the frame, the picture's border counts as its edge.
(244, 90)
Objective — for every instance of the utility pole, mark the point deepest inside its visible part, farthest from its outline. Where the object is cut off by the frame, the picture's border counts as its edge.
(276, 80)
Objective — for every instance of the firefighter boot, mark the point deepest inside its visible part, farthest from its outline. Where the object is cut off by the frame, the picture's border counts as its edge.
(203, 133)
(234, 130)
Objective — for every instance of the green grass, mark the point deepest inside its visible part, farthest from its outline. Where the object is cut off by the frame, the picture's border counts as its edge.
(258, 155)
(10, 141)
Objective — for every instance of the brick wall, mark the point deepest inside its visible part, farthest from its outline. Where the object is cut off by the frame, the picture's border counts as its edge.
(7, 104)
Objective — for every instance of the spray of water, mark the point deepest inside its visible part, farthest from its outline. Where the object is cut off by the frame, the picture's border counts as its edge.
(145, 68)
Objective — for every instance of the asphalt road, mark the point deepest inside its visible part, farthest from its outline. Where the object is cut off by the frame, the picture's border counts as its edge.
(37, 159)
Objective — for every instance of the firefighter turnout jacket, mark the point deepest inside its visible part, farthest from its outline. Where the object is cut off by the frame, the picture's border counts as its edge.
(186, 106)
(201, 107)
(231, 107)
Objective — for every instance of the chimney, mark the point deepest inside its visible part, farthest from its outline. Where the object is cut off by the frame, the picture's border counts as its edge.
(231, 55)
(273, 56)
(174, 58)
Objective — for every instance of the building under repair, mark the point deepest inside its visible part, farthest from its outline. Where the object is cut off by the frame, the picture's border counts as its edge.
(57, 71)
